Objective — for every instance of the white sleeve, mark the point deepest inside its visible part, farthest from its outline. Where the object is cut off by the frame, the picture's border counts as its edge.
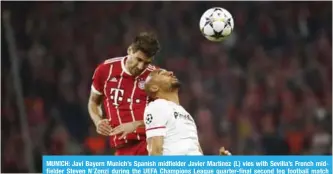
(155, 118)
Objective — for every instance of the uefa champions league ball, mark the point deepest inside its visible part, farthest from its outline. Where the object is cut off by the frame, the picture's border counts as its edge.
(216, 24)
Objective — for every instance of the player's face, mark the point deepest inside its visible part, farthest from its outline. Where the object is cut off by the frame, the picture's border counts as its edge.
(166, 80)
(137, 62)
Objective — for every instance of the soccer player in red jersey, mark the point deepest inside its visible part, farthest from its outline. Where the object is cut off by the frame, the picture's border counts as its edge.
(118, 83)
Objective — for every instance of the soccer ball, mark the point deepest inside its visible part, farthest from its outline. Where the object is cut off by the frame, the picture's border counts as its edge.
(216, 24)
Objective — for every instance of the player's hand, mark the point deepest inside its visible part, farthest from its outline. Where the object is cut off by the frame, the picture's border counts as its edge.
(103, 127)
(224, 152)
(124, 129)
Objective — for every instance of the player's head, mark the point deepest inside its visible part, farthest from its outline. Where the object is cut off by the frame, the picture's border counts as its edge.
(161, 82)
(141, 52)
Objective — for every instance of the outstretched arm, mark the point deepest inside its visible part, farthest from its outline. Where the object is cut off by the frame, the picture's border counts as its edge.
(127, 128)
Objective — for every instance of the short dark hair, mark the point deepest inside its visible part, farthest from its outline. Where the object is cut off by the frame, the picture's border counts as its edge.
(147, 43)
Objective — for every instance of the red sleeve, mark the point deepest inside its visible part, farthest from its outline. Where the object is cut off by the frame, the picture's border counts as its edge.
(98, 80)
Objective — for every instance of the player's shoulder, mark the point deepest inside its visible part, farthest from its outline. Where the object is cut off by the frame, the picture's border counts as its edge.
(158, 104)
(113, 60)
(106, 64)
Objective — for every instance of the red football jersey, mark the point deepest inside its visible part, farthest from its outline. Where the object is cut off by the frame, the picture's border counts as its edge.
(124, 98)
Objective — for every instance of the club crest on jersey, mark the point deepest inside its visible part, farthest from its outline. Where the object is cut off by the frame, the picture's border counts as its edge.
(141, 84)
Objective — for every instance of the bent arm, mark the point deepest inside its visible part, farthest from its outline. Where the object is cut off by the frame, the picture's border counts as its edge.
(155, 145)
(155, 124)
(94, 104)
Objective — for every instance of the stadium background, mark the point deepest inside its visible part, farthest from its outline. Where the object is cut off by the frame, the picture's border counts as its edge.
(266, 90)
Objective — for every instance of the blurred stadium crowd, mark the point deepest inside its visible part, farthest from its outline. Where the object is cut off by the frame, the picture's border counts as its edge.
(266, 90)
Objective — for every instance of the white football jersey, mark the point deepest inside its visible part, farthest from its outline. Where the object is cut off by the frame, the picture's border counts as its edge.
(168, 119)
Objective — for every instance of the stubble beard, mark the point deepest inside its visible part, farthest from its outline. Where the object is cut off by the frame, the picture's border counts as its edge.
(175, 85)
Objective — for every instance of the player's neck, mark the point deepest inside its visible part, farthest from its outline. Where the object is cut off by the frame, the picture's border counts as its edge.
(172, 96)
(126, 68)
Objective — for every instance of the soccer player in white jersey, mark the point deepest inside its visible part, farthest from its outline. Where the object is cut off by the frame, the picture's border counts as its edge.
(170, 129)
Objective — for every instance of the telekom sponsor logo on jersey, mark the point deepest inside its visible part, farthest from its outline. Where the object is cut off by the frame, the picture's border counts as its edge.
(116, 95)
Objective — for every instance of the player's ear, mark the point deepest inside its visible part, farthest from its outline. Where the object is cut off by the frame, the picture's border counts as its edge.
(154, 88)
(129, 50)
